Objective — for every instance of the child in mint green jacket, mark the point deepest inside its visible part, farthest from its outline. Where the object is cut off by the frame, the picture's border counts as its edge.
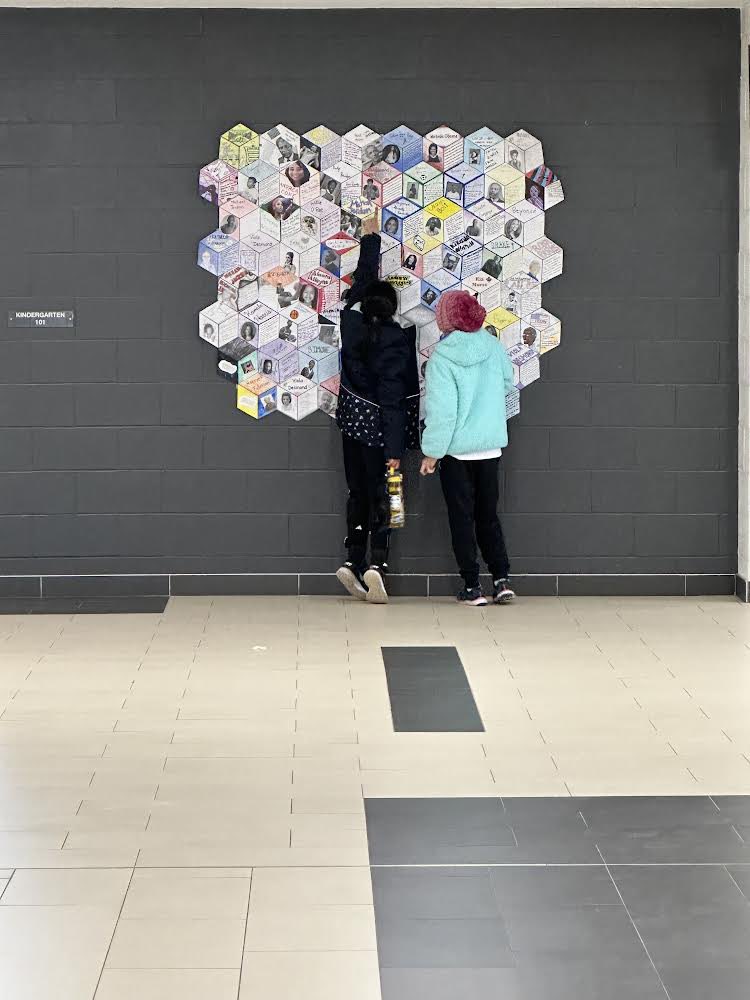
(468, 375)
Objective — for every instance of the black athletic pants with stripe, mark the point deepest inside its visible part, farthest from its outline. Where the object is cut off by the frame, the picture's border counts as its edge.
(367, 512)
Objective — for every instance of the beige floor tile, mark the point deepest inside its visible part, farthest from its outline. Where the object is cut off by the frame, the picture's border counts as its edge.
(321, 928)
(177, 894)
(292, 888)
(23, 840)
(77, 887)
(27, 858)
(328, 769)
(168, 984)
(59, 934)
(325, 805)
(253, 821)
(268, 770)
(71, 977)
(310, 976)
(177, 943)
(384, 784)
(322, 784)
(672, 780)
(229, 856)
(531, 784)
(233, 747)
(218, 836)
(322, 749)
(340, 830)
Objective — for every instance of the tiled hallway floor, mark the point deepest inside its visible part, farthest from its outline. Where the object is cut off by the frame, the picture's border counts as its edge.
(182, 804)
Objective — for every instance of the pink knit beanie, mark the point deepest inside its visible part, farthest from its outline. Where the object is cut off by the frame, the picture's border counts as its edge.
(459, 311)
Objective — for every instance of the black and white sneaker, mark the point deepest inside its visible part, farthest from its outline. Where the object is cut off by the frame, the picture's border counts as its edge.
(472, 597)
(352, 581)
(503, 593)
(375, 583)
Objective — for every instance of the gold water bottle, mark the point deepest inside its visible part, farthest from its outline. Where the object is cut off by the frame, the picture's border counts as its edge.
(395, 489)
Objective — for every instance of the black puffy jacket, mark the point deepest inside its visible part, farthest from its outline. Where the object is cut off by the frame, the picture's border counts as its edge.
(380, 371)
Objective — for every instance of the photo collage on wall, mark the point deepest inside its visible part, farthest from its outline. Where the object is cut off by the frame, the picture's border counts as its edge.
(454, 212)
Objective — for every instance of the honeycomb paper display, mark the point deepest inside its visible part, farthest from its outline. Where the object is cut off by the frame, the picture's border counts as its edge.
(454, 212)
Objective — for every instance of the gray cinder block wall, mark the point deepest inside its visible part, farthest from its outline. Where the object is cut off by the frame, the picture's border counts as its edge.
(120, 450)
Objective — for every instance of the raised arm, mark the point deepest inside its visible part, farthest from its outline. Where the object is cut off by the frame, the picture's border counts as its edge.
(367, 267)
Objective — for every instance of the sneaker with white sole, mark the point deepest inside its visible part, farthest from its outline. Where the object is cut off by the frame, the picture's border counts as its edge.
(472, 597)
(352, 581)
(503, 593)
(375, 582)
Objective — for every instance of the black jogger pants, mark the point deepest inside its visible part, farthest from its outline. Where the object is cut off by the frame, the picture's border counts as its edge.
(471, 494)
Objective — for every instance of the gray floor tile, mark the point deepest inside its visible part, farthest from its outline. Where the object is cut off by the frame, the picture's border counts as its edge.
(720, 939)
(429, 690)
(544, 813)
(546, 820)
(451, 984)
(440, 710)
(419, 943)
(574, 933)
(532, 887)
(548, 849)
(689, 983)
(741, 875)
(709, 846)
(736, 808)
(592, 980)
(619, 814)
(450, 812)
(649, 890)
(436, 831)
(433, 892)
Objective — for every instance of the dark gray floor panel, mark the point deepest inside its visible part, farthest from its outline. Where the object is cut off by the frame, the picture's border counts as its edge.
(735, 808)
(720, 846)
(715, 940)
(451, 984)
(424, 942)
(439, 893)
(539, 887)
(740, 874)
(588, 980)
(618, 815)
(436, 831)
(429, 690)
(580, 933)
(652, 890)
(688, 983)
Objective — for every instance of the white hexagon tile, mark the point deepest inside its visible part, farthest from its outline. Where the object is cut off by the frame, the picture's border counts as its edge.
(454, 212)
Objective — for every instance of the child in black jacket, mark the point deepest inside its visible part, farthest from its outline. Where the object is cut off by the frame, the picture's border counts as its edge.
(378, 414)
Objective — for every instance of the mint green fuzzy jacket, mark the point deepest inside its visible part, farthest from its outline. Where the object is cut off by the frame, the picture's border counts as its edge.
(467, 377)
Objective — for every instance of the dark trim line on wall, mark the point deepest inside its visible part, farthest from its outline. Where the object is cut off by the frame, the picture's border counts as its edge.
(400, 585)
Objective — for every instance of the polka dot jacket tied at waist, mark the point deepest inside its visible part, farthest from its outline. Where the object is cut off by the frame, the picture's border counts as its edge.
(362, 421)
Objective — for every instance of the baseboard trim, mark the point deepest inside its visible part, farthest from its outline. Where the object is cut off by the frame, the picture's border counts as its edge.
(400, 585)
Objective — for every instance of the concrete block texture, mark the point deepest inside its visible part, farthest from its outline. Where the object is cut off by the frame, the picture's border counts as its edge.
(122, 450)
